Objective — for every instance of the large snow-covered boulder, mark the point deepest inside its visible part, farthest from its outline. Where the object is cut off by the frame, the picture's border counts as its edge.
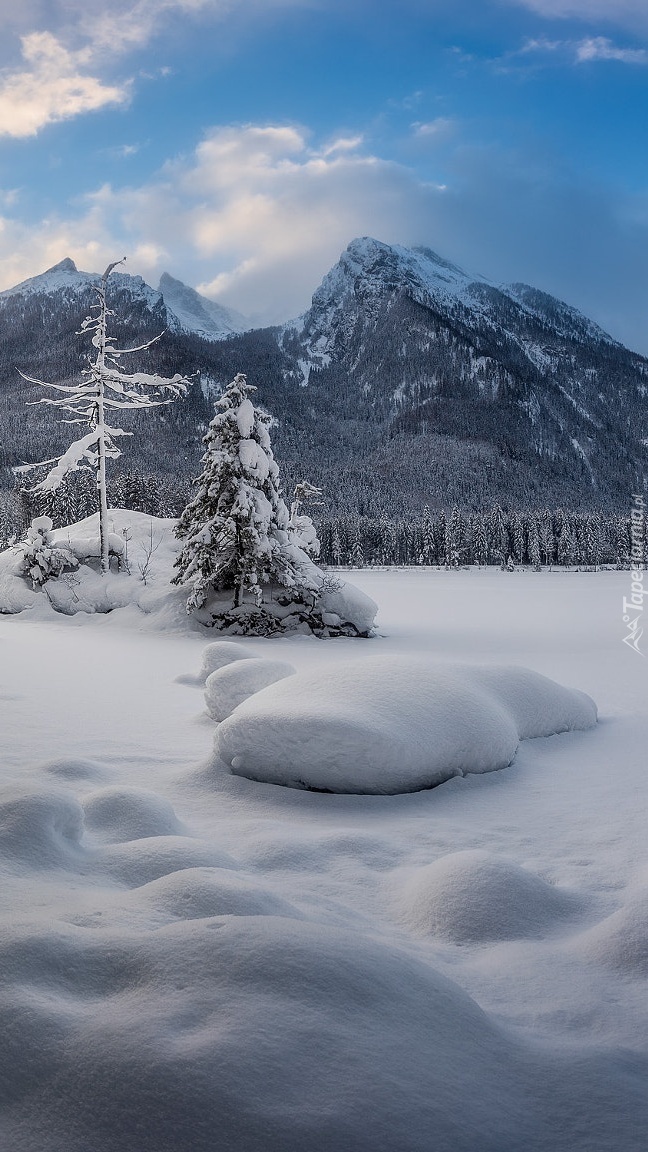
(385, 725)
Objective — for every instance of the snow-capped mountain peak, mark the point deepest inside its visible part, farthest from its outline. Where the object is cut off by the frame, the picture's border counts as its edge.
(174, 304)
(65, 265)
(63, 276)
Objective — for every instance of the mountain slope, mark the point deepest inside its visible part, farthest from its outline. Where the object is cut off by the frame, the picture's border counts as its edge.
(195, 313)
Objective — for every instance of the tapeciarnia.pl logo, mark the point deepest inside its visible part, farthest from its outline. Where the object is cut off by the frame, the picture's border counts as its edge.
(634, 606)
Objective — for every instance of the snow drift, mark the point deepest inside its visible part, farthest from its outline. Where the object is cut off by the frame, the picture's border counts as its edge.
(194, 962)
(388, 725)
(477, 897)
(247, 1030)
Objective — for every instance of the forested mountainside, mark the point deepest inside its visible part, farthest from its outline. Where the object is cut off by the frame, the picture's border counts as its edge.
(407, 383)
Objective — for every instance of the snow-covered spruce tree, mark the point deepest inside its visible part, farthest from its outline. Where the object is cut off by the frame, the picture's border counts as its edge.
(236, 528)
(43, 559)
(103, 386)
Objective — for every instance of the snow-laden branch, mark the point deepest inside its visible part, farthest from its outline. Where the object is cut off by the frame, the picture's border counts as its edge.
(82, 453)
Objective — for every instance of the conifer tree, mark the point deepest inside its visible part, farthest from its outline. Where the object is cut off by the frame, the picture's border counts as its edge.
(103, 387)
(499, 537)
(236, 528)
(534, 544)
(565, 546)
(427, 537)
(454, 539)
(480, 541)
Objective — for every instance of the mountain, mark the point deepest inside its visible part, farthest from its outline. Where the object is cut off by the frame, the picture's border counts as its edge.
(65, 282)
(506, 392)
(195, 313)
(182, 308)
(406, 382)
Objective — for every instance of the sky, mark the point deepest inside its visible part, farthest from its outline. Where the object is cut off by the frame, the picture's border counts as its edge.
(240, 145)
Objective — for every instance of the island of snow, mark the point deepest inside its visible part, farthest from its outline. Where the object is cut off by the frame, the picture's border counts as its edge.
(390, 725)
(58, 569)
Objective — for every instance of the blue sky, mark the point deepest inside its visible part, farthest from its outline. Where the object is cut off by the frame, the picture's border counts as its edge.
(241, 144)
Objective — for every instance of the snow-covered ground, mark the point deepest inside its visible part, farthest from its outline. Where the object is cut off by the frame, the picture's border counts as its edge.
(194, 961)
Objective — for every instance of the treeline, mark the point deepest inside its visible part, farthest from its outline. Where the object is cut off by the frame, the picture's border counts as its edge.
(509, 539)
(450, 539)
(154, 495)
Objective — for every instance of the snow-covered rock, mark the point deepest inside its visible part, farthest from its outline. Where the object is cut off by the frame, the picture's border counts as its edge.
(228, 687)
(387, 725)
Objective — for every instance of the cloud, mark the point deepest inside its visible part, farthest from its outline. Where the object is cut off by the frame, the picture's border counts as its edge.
(53, 86)
(600, 48)
(269, 211)
(631, 14)
(118, 29)
(439, 128)
(61, 74)
(589, 50)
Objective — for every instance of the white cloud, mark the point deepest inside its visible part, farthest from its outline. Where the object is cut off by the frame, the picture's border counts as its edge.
(117, 29)
(53, 86)
(62, 70)
(600, 48)
(256, 215)
(589, 50)
(439, 128)
(624, 13)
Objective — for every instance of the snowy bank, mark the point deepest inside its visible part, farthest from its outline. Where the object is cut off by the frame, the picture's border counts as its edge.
(388, 725)
(145, 548)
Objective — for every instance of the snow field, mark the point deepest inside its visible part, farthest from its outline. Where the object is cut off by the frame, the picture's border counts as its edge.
(195, 960)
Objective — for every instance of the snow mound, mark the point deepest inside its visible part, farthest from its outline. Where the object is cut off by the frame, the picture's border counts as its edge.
(386, 725)
(621, 940)
(70, 768)
(475, 897)
(253, 1033)
(198, 893)
(40, 829)
(228, 687)
(219, 655)
(138, 862)
(129, 814)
